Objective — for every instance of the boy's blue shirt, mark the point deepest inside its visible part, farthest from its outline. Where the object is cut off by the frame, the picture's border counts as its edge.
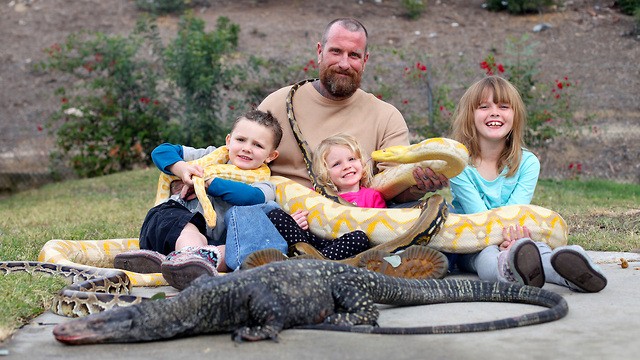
(473, 194)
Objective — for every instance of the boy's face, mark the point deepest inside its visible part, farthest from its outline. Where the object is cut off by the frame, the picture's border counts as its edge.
(250, 145)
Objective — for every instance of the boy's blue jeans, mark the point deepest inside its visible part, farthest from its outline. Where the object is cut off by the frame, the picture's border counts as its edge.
(248, 230)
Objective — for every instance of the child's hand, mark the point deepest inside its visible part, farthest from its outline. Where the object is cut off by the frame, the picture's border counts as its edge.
(185, 171)
(512, 234)
(300, 216)
(191, 170)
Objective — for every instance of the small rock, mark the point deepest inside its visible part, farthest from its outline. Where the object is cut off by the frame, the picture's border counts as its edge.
(541, 27)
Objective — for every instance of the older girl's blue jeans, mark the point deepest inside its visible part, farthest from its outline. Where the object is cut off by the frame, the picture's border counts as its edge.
(248, 230)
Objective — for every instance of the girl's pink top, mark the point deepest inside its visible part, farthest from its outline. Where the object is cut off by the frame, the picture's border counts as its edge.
(365, 197)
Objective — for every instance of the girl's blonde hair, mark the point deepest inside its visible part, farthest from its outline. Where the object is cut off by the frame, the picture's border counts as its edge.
(321, 169)
(463, 128)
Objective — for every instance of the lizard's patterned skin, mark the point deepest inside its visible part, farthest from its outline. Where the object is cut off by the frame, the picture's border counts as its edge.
(257, 304)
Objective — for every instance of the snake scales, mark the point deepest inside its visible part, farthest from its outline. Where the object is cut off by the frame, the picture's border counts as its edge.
(327, 218)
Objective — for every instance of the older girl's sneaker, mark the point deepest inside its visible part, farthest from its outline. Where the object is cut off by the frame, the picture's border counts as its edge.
(575, 266)
(521, 264)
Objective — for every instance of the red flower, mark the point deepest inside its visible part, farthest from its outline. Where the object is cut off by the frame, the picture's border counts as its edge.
(559, 85)
(64, 100)
(39, 128)
(579, 167)
(406, 101)
(500, 68)
(570, 166)
(89, 66)
(231, 107)
(379, 96)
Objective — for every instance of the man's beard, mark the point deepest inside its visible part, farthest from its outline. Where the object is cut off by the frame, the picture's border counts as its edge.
(340, 86)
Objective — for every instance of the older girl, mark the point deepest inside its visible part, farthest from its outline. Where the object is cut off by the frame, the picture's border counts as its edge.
(490, 121)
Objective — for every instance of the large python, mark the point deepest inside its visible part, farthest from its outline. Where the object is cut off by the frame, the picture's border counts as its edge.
(91, 290)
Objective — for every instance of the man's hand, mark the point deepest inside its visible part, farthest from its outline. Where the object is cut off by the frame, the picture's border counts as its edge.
(300, 216)
(428, 181)
(512, 234)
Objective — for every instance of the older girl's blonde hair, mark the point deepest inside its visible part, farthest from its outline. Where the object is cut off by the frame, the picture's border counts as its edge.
(321, 169)
(463, 127)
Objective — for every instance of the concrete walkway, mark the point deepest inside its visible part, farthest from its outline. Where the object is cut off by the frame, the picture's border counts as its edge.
(605, 325)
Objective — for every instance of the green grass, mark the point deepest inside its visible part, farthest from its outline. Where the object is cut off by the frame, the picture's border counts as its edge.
(601, 216)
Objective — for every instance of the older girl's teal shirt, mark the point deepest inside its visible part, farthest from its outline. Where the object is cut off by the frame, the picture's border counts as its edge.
(473, 194)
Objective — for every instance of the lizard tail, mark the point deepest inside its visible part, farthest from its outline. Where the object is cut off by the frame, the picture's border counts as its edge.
(460, 290)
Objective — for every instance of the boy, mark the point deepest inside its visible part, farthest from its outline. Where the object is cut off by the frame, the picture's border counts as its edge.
(177, 228)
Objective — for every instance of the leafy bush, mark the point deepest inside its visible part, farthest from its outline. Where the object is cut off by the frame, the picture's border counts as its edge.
(629, 7)
(413, 8)
(198, 69)
(550, 107)
(126, 102)
(113, 117)
(518, 6)
(161, 6)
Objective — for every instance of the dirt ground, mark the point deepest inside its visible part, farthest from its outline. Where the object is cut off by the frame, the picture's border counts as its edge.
(587, 42)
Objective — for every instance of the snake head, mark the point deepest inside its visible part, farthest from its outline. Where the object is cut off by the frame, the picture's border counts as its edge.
(392, 154)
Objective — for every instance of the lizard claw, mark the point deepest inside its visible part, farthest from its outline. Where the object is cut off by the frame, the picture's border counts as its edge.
(254, 334)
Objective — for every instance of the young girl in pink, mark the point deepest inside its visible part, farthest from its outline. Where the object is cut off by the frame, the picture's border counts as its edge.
(339, 165)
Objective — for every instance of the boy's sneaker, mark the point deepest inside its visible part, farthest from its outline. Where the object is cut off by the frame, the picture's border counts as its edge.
(574, 265)
(139, 261)
(521, 264)
(183, 266)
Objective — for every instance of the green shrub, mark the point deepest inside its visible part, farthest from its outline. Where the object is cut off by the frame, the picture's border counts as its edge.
(113, 117)
(201, 72)
(413, 8)
(518, 6)
(126, 102)
(161, 6)
(550, 107)
(629, 7)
